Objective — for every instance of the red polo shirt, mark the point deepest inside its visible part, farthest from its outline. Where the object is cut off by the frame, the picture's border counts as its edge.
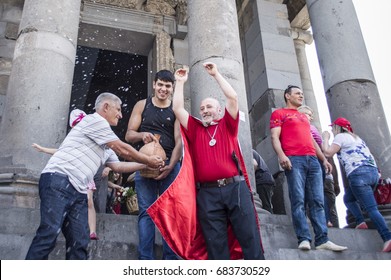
(213, 162)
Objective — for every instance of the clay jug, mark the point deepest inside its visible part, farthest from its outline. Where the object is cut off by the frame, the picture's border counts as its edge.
(153, 148)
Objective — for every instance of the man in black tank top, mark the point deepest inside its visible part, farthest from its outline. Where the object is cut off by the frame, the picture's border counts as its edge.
(151, 116)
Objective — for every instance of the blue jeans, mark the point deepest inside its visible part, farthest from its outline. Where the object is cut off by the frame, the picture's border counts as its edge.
(305, 187)
(362, 181)
(148, 191)
(62, 208)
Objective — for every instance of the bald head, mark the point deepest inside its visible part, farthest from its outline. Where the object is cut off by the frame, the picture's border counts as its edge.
(210, 110)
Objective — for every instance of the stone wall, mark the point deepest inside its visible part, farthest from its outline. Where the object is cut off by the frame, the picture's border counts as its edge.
(10, 14)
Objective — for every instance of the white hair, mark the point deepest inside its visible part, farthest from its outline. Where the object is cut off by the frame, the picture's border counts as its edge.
(104, 97)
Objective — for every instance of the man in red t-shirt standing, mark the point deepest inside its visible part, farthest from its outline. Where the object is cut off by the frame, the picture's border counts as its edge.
(298, 155)
(223, 195)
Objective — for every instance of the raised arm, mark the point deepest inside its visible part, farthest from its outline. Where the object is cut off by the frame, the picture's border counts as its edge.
(178, 103)
(231, 96)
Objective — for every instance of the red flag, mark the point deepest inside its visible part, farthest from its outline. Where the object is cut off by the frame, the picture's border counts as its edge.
(175, 214)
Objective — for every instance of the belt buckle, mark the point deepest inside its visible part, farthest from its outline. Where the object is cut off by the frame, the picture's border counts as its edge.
(221, 182)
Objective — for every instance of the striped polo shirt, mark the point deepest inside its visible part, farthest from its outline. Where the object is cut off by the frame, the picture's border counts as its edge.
(83, 151)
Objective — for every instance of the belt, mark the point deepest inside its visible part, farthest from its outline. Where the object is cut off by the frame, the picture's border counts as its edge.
(221, 182)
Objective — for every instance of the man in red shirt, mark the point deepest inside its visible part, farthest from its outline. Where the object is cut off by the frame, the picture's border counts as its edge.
(298, 155)
(223, 195)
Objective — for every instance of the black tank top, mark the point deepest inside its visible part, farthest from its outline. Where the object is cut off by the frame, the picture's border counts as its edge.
(159, 121)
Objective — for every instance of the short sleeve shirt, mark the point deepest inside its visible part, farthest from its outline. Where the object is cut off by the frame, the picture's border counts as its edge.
(316, 135)
(83, 151)
(295, 137)
(354, 152)
(213, 162)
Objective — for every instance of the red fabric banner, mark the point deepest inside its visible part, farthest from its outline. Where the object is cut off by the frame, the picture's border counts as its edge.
(175, 215)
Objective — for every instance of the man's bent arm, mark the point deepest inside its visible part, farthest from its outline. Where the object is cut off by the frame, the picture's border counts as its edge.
(129, 153)
(132, 134)
(126, 167)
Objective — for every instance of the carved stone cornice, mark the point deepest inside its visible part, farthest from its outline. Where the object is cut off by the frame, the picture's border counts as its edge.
(126, 19)
(161, 7)
(181, 12)
(130, 4)
(175, 8)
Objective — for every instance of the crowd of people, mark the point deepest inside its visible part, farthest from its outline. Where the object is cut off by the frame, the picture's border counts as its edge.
(224, 200)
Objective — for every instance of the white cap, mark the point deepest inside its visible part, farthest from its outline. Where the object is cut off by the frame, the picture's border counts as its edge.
(75, 117)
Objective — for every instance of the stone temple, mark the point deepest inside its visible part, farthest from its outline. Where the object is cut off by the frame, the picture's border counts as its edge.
(59, 55)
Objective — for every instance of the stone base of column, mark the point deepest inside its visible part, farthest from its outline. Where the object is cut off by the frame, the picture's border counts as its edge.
(18, 188)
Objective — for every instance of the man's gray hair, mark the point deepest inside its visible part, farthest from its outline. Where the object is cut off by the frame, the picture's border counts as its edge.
(104, 97)
(305, 107)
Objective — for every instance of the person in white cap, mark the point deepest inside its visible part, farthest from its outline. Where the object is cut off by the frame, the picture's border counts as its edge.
(362, 173)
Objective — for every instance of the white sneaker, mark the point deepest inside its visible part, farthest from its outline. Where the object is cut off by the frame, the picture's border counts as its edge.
(331, 246)
(387, 246)
(305, 245)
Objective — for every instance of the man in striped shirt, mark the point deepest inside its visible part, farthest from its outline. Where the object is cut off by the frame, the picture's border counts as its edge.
(63, 182)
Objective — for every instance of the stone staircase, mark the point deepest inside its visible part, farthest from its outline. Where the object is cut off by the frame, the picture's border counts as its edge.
(118, 239)
(280, 242)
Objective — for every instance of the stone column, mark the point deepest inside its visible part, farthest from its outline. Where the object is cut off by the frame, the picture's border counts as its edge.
(214, 36)
(348, 80)
(301, 38)
(38, 95)
(164, 56)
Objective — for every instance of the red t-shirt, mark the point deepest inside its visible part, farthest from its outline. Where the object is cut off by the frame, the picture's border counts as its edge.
(295, 137)
(213, 162)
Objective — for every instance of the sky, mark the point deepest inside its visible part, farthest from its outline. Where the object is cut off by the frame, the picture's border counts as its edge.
(374, 21)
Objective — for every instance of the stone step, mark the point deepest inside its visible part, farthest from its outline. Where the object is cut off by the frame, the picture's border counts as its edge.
(15, 247)
(100, 250)
(275, 236)
(296, 254)
(118, 238)
(274, 219)
(117, 228)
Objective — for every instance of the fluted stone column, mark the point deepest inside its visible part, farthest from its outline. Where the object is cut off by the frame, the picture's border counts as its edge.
(214, 36)
(39, 90)
(347, 75)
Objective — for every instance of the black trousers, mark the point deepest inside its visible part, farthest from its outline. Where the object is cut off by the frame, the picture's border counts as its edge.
(219, 206)
(265, 193)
